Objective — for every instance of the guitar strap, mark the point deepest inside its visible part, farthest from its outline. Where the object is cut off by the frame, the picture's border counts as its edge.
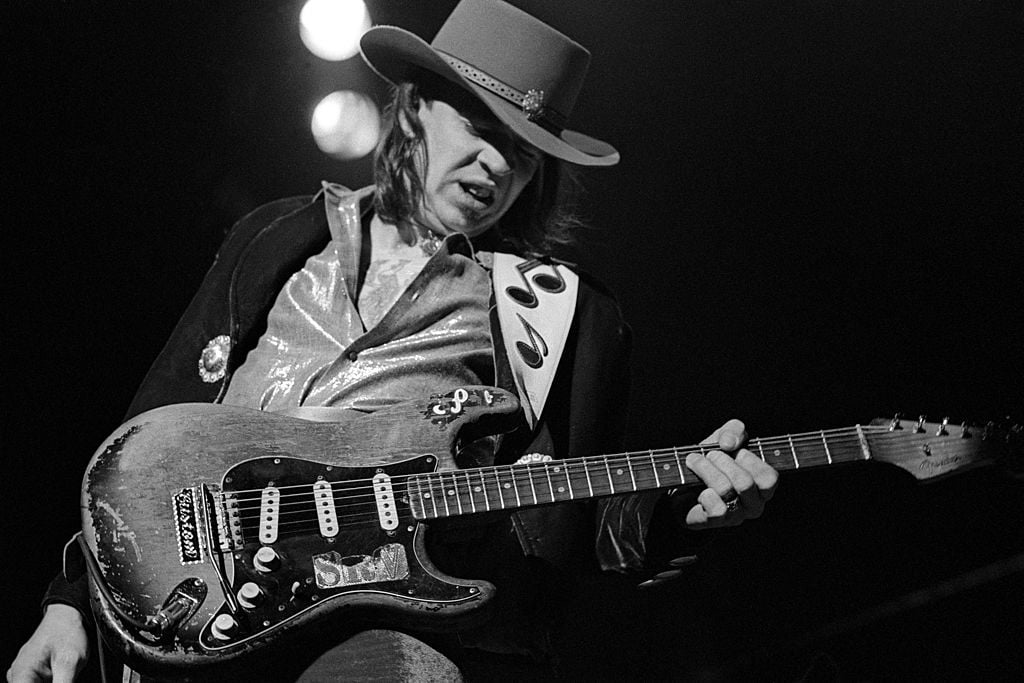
(535, 301)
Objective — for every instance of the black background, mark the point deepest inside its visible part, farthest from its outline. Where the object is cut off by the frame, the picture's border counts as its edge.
(817, 221)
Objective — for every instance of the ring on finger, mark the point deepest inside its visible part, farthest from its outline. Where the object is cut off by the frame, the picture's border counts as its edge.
(731, 500)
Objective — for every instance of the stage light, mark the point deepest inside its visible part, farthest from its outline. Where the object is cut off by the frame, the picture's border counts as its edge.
(346, 124)
(331, 28)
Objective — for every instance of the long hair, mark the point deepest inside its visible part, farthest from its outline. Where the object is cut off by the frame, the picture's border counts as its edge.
(541, 220)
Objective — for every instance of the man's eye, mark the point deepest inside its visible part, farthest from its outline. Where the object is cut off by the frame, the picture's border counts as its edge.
(528, 153)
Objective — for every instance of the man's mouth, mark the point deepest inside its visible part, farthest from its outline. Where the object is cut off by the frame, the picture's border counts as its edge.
(484, 195)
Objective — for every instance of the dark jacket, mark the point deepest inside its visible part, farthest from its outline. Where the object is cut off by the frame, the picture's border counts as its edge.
(585, 411)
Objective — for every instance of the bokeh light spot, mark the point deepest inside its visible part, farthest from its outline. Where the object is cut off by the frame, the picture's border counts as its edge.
(346, 124)
(331, 28)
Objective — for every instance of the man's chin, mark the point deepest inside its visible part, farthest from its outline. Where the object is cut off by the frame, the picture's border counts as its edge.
(471, 224)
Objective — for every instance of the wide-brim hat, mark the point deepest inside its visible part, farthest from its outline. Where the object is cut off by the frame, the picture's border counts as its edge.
(523, 70)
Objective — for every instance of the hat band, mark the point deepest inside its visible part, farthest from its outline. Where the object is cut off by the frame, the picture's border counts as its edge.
(531, 101)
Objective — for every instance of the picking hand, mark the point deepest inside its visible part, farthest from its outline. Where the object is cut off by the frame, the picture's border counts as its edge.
(57, 650)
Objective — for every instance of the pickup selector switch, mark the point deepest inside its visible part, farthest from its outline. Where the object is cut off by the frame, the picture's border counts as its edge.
(266, 560)
(250, 595)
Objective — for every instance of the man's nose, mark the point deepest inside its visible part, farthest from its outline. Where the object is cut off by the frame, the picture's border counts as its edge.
(493, 160)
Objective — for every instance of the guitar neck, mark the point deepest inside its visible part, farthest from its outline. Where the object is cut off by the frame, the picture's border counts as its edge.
(453, 493)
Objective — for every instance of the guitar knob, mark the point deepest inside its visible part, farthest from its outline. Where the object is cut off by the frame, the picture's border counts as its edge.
(224, 627)
(250, 595)
(266, 560)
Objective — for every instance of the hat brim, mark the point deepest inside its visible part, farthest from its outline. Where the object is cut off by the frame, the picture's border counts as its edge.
(391, 52)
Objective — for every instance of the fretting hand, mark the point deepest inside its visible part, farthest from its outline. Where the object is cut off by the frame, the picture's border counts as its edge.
(738, 482)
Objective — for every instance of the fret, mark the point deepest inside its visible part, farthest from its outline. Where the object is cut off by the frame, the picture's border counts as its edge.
(529, 472)
(845, 447)
(654, 468)
(455, 492)
(809, 450)
(679, 466)
(813, 450)
(662, 462)
(621, 472)
(760, 450)
(497, 481)
(444, 495)
(792, 449)
(433, 496)
(774, 454)
(483, 489)
(468, 493)
(590, 484)
(551, 486)
(629, 466)
(515, 486)
(608, 469)
(568, 480)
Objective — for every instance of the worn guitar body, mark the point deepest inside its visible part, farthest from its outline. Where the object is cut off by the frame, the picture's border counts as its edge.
(178, 503)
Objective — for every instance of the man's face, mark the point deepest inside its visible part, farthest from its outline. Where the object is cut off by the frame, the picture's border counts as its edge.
(475, 170)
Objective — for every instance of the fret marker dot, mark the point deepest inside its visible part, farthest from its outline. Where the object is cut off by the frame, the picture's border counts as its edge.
(561, 489)
(776, 452)
(507, 485)
(477, 489)
(619, 472)
(451, 492)
(665, 467)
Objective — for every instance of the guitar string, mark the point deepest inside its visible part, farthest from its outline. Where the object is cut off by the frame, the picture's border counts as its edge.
(310, 523)
(491, 490)
(781, 443)
(506, 477)
(493, 478)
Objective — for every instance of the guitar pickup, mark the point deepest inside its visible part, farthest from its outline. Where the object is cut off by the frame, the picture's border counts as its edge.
(270, 503)
(326, 514)
(385, 499)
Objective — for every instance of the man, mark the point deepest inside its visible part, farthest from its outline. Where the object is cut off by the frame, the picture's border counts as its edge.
(359, 300)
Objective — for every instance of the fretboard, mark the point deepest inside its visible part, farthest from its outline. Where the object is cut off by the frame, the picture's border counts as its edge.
(453, 493)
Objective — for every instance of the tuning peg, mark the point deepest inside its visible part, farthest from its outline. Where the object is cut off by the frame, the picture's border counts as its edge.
(895, 424)
(942, 427)
(965, 431)
(919, 427)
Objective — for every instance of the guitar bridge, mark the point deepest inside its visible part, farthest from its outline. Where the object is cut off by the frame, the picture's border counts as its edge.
(191, 523)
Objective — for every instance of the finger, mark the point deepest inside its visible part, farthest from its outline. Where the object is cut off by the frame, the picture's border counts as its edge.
(65, 665)
(751, 497)
(740, 480)
(766, 477)
(713, 512)
(697, 517)
(729, 436)
(708, 473)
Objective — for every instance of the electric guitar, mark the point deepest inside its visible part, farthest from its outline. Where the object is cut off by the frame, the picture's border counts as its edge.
(212, 532)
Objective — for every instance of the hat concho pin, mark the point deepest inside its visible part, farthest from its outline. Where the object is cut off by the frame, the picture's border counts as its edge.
(213, 361)
(533, 103)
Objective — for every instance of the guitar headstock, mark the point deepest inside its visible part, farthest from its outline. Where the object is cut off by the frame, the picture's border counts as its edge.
(934, 449)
